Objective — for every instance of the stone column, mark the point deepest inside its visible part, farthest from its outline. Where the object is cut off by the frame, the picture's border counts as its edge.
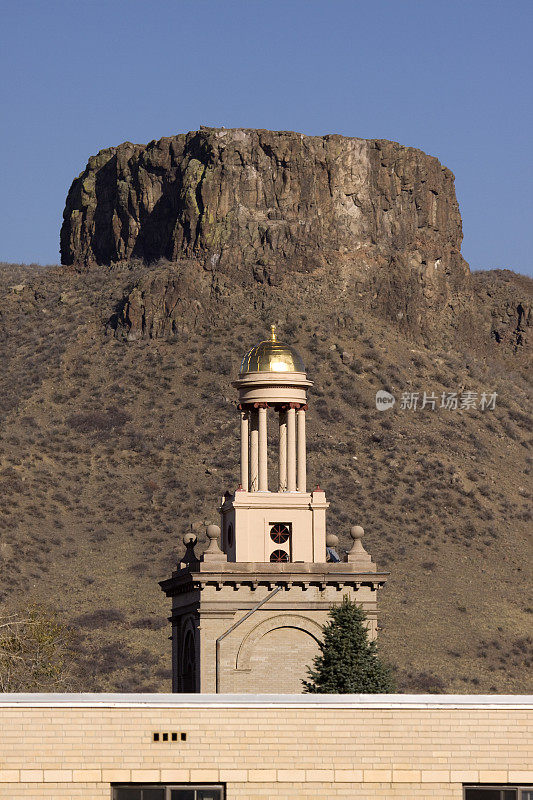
(254, 449)
(263, 456)
(282, 451)
(245, 417)
(291, 449)
(302, 472)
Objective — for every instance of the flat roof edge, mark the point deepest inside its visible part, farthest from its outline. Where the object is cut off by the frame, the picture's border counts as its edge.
(354, 701)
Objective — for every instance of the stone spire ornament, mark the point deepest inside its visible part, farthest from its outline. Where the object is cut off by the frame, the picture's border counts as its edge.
(358, 555)
(213, 552)
(332, 542)
(190, 557)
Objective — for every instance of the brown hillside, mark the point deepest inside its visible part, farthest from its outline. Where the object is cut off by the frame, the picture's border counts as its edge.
(118, 431)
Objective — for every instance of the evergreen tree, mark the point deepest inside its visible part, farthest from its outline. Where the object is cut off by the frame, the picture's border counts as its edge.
(348, 662)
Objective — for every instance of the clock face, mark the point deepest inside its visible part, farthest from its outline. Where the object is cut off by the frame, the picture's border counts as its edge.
(279, 533)
(279, 556)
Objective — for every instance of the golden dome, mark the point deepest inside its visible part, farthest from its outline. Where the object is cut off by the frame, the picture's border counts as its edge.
(272, 356)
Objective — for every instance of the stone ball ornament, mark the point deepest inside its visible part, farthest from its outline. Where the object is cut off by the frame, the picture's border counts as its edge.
(212, 531)
(357, 532)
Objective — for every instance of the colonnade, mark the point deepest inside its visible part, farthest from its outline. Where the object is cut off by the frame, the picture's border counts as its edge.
(254, 449)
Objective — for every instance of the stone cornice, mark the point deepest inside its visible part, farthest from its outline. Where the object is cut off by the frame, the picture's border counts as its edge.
(276, 500)
(254, 574)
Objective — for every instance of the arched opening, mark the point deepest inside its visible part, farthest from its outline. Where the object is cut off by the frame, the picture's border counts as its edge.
(294, 649)
(188, 674)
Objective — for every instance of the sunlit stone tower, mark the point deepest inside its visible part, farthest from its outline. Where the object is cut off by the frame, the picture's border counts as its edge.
(247, 614)
(272, 379)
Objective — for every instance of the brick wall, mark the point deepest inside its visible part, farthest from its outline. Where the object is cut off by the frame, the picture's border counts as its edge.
(298, 649)
(262, 751)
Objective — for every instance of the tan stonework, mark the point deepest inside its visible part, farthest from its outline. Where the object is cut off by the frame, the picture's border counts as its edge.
(253, 513)
(271, 650)
(264, 748)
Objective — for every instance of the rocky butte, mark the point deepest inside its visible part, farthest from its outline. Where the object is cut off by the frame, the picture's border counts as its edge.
(348, 222)
(256, 204)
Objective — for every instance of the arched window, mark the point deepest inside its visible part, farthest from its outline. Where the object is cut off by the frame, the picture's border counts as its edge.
(229, 535)
(189, 663)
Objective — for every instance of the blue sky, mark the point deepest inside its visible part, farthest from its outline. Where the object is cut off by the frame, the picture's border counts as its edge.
(452, 78)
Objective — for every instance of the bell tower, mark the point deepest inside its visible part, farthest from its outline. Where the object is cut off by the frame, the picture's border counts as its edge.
(247, 614)
(287, 524)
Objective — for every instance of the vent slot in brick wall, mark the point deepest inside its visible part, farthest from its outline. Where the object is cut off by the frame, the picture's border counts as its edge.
(174, 736)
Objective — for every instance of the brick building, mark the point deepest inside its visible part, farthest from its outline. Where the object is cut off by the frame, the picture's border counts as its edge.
(249, 747)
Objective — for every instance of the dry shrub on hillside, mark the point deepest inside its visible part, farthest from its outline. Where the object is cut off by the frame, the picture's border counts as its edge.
(36, 653)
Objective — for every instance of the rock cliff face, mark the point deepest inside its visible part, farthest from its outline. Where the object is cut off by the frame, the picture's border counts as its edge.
(246, 197)
(165, 302)
(174, 300)
(373, 216)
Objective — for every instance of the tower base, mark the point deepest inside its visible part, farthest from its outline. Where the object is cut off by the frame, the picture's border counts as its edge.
(269, 651)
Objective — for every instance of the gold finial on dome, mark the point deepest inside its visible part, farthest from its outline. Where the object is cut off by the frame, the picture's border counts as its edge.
(271, 355)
